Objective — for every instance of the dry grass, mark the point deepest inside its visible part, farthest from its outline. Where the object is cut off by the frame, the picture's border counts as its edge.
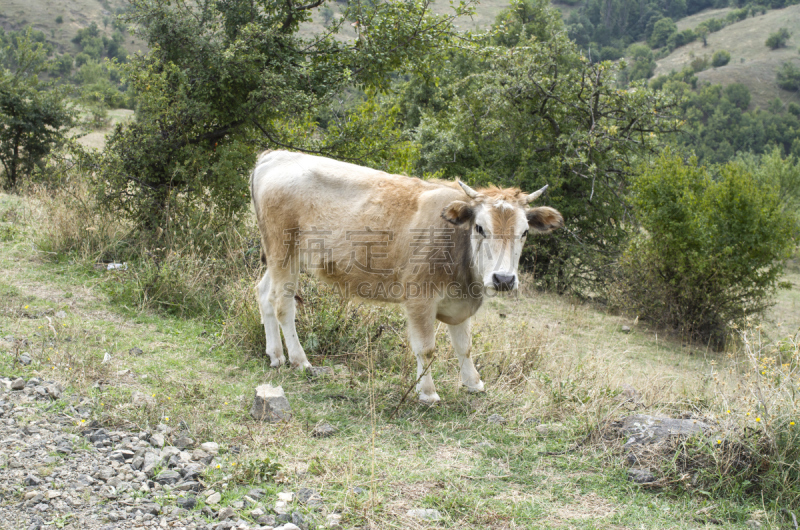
(752, 62)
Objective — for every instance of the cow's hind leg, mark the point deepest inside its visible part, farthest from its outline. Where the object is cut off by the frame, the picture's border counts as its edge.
(461, 336)
(271, 329)
(422, 336)
(281, 296)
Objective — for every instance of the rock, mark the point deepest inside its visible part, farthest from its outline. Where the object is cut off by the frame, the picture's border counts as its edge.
(18, 384)
(299, 520)
(640, 429)
(135, 351)
(183, 442)
(187, 503)
(168, 477)
(426, 514)
(530, 422)
(286, 496)
(281, 508)
(53, 390)
(212, 448)
(358, 491)
(255, 514)
(319, 371)
(323, 430)
(61, 314)
(140, 400)
(256, 493)
(309, 497)
(25, 359)
(625, 329)
(288, 526)
(32, 480)
(226, 513)
(268, 520)
(640, 476)
(496, 419)
(270, 404)
(546, 429)
(157, 440)
(214, 498)
(333, 520)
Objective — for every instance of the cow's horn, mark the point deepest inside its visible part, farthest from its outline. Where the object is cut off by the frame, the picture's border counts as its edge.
(469, 191)
(536, 194)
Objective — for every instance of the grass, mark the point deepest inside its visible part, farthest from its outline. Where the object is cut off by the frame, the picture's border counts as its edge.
(752, 62)
(541, 356)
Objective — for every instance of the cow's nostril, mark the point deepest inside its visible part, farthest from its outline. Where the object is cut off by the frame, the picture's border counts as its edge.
(503, 282)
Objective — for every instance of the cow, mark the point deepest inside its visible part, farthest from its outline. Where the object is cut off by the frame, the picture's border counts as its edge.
(437, 248)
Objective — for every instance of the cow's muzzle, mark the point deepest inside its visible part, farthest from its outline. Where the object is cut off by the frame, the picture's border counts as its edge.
(504, 282)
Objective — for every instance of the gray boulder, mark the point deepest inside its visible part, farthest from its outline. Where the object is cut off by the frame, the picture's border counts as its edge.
(270, 404)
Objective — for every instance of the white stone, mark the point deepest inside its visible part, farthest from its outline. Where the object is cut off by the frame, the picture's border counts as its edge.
(214, 498)
(211, 448)
(286, 496)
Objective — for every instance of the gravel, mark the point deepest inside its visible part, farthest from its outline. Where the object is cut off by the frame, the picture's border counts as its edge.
(58, 470)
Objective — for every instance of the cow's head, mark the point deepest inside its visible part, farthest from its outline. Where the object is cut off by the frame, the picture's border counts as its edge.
(499, 220)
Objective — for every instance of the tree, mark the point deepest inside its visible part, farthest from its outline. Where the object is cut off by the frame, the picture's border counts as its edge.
(778, 39)
(225, 79)
(788, 77)
(541, 113)
(662, 31)
(33, 115)
(720, 58)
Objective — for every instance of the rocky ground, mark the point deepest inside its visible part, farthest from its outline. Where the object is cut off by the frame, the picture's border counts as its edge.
(58, 470)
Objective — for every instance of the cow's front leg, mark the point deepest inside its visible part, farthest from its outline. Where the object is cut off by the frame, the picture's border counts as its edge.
(461, 336)
(281, 296)
(422, 336)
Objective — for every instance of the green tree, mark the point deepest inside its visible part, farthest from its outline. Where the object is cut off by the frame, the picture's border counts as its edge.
(712, 248)
(662, 31)
(33, 115)
(788, 77)
(223, 79)
(720, 58)
(778, 39)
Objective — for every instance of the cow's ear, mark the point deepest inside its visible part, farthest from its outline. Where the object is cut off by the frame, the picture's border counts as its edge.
(458, 213)
(544, 219)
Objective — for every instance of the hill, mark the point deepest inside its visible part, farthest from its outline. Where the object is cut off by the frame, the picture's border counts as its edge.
(42, 15)
(752, 62)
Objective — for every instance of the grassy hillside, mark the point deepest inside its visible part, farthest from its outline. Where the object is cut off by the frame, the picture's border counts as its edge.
(752, 63)
(76, 15)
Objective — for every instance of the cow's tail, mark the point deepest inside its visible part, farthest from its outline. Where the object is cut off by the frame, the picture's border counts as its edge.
(257, 208)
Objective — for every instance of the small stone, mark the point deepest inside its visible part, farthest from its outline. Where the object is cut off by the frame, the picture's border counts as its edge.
(427, 514)
(323, 430)
(289, 526)
(25, 359)
(258, 512)
(157, 440)
(319, 371)
(286, 496)
(32, 480)
(496, 418)
(18, 384)
(226, 513)
(135, 351)
(140, 400)
(270, 404)
(547, 429)
(333, 520)
(281, 508)
(61, 314)
(309, 497)
(625, 329)
(214, 498)
(256, 493)
(358, 491)
(168, 477)
(187, 503)
(53, 390)
(299, 520)
(267, 520)
(183, 442)
(641, 476)
(530, 422)
(238, 504)
(212, 448)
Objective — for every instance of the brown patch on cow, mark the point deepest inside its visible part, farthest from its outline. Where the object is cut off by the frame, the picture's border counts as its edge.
(544, 219)
(504, 220)
(458, 213)
(511, 195)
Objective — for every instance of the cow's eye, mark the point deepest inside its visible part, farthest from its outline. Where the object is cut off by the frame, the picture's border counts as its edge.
(479, 229)
(524, 234)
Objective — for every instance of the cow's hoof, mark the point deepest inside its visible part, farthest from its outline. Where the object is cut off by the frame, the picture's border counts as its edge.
(303, 365)
(277, 362)
(477, 389)
(429, 399)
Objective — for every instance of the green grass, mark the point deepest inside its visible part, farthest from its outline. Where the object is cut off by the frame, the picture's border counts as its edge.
(541, 356)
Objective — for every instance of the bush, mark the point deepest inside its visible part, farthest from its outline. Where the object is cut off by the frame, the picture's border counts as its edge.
(720, 58)
(699, 64)
(662, 31)
(778, 39)
(711, 250)
(59, 19)
(788, 77)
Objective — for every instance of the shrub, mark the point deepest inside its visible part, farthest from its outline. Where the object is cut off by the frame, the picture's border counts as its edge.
(720, 58)
(788, 77)
(662, 31)
(59, 19)
(699, 64)
(711, 250)
(778, 39)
